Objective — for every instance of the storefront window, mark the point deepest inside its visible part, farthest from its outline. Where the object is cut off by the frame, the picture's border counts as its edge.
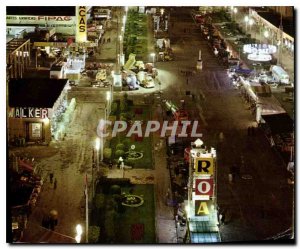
(35, 130)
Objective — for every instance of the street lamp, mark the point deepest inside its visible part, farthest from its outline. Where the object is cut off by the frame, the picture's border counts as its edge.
(108, 97)
(246, 21)
(235, 11)
(162, 11)
(78, 233)
(153, 57)
(97, 147)
(251, 23)
(121, 161)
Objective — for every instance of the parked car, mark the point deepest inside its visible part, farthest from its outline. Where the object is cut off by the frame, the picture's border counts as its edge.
(73, 83)
(148, 82)
(95, 83)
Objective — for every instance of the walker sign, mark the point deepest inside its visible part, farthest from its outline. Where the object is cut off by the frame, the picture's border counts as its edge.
(204, 187)
(204, 166)
(203, 208)
(81, 24)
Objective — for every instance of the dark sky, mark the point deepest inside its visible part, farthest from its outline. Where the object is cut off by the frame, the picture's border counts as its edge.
(41, 10)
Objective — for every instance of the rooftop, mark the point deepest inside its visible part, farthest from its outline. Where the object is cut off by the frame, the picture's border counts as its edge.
(32, 92)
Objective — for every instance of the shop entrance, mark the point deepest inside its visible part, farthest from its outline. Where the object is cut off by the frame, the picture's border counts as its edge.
(34, 131)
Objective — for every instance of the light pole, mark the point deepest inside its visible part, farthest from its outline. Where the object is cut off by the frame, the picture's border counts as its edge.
(231, 11)
(108, 97)
(235, 10)
(153, 57)
(122, 166)
(97, 147)
(246, 21)
(251, 23)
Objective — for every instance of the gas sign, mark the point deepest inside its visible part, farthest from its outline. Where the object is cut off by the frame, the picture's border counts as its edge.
(203, 208)
(204, 187)
(204, 166)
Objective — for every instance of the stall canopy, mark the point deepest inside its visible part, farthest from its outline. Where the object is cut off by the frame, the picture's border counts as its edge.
(279, 123)
(204, 232)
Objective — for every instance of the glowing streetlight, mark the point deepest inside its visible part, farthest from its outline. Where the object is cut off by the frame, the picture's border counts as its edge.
(153, 57)
(246, 19)
(251, 22)
(266, 34)
(162, 11)
(78, 233)
(235, 10)
(108, 96)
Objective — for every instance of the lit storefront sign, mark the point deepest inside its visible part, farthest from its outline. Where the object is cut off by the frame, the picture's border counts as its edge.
(50, 20)
(36, 130)
(204, 166)
(28, 112)
(203, 208)
(81, 24)
(204, 187)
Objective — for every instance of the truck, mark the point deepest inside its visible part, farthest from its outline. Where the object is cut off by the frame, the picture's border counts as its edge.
(280, 75)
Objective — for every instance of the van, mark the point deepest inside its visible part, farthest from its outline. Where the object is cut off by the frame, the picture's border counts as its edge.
(280, 75)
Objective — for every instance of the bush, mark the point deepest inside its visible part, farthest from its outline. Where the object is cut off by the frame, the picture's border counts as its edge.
(107, 153)
(129, 162)
(99, 200)
(94, 233)
(120, 147)
(114, 108)
(119, 153)
(123, 106)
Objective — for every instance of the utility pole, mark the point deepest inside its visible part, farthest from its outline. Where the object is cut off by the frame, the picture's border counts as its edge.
(280, 41)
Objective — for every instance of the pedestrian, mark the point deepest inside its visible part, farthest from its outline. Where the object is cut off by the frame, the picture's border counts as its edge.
(223, 219)
(51, 177)
(55, 184)
(220, 218)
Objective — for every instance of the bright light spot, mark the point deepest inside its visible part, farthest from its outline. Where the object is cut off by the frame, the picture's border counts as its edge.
(120, 37)
(124, 20)
(79, 229)
(108, 96)
(246, 19)
(187, 210)
(251, 22)
(235, 10)
(46, 121)
(152, 54)
(266, 34)
(162, 11)
(78, 238)
(97, 145)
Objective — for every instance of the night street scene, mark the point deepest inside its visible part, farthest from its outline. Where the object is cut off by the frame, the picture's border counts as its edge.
(150, 124)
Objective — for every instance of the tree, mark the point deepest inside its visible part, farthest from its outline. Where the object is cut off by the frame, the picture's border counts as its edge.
(120, 146)
(119, 153)
(107, 153)
(99, 201)
(94, 233)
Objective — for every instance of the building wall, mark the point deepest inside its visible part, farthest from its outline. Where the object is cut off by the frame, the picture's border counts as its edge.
(286, 11)
(19, 127)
